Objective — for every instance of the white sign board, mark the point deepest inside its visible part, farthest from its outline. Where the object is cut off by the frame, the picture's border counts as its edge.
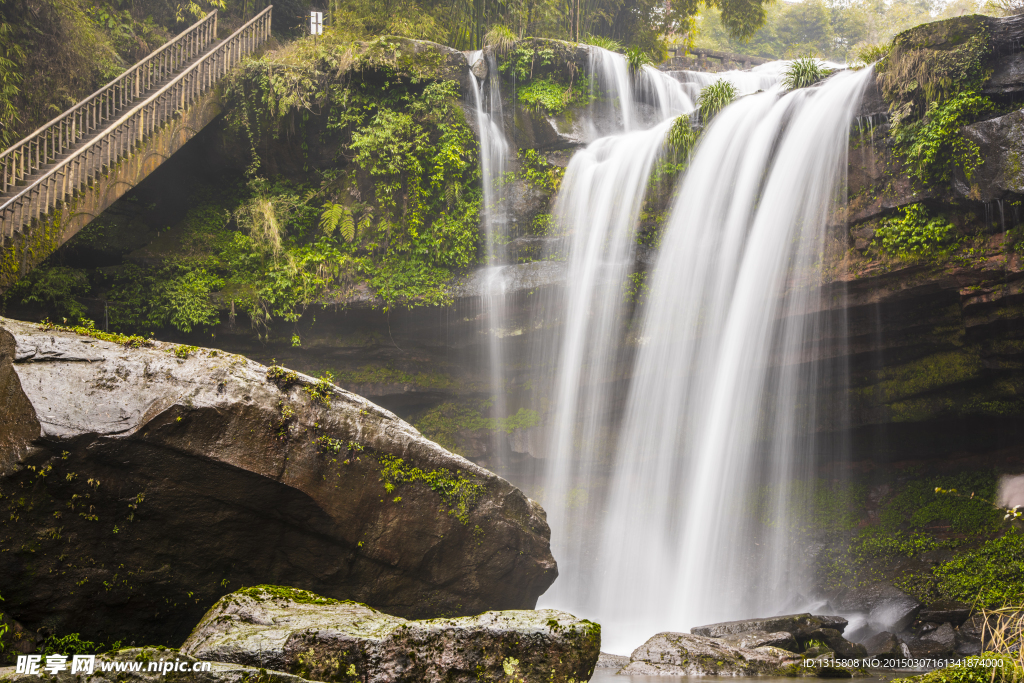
(316, 23)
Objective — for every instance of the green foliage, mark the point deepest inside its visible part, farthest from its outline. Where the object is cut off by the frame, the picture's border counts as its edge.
(912, 234)
(520, 62)
(682, 137)
(714, 98)
(917, 505)
(932, 63)
(338, 217)
(877, 543)
(993, 574)
(322, 390)
(456, 491)
(304, 597)
(934, 148)
(803, 72)
(185, 300)
(988, 667)
(637, 59)
(183, 351)
(609, 44)
(55, 288)
(88, 329)
(536, 170)
(443, 423)
(866, 54)
(71, 644)
(11, 55)
(501, 38)
(546, 96)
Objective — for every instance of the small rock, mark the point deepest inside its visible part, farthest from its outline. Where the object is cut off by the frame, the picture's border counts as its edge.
(327, 640)
(954, 612)
(479, 68)
(884, 644)
(943, 635)
(835, 641)
(927, 649)
(685, 654)
(610, 661)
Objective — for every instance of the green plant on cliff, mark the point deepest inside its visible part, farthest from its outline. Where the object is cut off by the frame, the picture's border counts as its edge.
(913, 234)
(546, 96)
(539, 172)
(457, 492)
(933, 149)
(992, 575)
(932, 63)
(803, 72)
(714, 98)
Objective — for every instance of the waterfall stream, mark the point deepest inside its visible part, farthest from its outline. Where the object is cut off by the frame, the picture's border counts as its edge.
(494, 165)
(726, 372)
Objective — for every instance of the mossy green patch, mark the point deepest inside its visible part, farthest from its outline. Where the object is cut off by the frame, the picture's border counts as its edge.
(88, 329)
(458, 493)
(264, 591)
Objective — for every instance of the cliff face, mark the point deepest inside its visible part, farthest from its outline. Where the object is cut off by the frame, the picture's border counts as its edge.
(139, 485)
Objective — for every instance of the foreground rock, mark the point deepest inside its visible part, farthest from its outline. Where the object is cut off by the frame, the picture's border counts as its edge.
(685, 654)
(118, 668)
(138, 486)
(327, 640)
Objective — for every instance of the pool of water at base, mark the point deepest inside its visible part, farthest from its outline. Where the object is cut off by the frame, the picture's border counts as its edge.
(605, 675)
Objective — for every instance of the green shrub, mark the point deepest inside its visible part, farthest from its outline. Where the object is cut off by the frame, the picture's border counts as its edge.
(544, 95)
(607, 43)
(637, 59)
(993, 574)
(912, 234)
(803, 72)
(934, 148)
(714, 98)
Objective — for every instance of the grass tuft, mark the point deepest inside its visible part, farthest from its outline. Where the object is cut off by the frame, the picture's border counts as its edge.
(803, 72)
(714, 98)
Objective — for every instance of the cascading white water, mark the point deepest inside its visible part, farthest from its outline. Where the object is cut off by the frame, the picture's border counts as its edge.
(494, 165)
(727, 384)
(618, 97)
(723, 389)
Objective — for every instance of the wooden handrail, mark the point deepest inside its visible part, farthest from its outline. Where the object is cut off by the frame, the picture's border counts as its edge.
(51, 140)
(120, 138)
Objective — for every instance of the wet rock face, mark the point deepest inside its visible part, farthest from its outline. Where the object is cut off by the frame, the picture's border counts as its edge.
(326, 640)
(1001, 141)
(888, 608)
(138, 486)
(685, 654)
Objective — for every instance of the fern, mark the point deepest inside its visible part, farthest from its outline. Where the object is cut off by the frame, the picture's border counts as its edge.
(337, 217)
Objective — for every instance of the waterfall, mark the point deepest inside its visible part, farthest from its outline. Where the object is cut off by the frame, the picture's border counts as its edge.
(727, 370)
(494, 165)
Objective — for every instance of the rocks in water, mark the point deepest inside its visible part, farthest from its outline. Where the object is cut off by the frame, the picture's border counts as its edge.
(945, 611)
(146, 483)
(887, 607)
(800, 625)
(609, 661)
(120, 667)
(687, 654)
(328, 640)
(944, 635)
(884, 645)
(835, 641)
(754, 639)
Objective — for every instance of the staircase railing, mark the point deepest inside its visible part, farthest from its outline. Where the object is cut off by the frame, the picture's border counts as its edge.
(62, 133)
(120, 139)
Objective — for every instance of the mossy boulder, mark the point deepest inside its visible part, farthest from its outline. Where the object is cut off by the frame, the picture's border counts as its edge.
(685, 654)
(329, 640)
(139, 485)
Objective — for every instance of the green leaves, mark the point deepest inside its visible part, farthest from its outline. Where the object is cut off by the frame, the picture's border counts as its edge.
(714, 98)
(337, 217)
(803, 72)
(913, 234)
(933, 149)
(637, 59)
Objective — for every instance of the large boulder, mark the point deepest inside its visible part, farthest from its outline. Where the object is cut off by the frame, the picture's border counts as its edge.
(685, 654)
(139, 485)
(887, 607)
(328, 640)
